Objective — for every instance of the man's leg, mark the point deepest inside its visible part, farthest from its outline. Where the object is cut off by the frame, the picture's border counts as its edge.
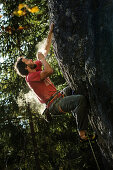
(78, 105)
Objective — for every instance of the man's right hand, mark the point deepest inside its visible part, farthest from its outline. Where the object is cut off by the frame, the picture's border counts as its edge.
(47, 68)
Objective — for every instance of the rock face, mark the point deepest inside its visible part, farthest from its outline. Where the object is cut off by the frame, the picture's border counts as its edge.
(83, 45)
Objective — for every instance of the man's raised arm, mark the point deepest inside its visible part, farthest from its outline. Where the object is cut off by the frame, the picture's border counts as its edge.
(48, 43)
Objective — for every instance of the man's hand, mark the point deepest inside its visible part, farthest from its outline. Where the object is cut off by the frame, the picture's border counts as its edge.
(40, 56)
(49, 38)
(47, 68)
(51, 27)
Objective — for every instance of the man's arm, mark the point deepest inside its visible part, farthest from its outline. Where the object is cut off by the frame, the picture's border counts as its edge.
(49, 38)
(47, 68)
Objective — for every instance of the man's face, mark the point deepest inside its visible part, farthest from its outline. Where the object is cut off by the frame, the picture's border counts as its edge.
(29, 63)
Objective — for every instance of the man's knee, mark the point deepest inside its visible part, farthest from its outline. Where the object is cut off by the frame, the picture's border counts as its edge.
(67, 91)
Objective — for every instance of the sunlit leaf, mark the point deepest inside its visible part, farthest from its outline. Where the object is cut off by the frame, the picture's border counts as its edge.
(0, 16)
(19, 13)
(7, 29)
(15, 12)
(21, 28)
(21, 6)
(34, 9)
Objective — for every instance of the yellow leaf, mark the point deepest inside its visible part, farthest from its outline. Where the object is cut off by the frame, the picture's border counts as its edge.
(29, 9)
(24, 12)
(15, 12)
(21, 6)
(21, 28)
(0, 16)
(34, 9)
(20, 12)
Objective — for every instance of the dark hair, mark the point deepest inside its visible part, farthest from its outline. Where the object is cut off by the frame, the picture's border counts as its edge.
(20, 67)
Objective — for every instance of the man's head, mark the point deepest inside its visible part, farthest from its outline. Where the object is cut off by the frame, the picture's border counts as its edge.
(23, 66)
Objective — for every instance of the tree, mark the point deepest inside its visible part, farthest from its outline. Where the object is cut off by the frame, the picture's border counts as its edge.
(83, 47)
(27, 139)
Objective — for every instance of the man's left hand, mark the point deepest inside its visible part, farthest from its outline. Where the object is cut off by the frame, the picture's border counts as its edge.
(51, 27)
(40, 56)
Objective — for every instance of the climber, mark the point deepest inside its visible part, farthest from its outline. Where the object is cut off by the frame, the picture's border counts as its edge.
(56, 102)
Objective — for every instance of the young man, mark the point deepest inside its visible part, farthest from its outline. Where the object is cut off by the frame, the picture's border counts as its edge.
(38, 80)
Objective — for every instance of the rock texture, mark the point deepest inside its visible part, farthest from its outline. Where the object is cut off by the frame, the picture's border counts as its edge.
(83, 45)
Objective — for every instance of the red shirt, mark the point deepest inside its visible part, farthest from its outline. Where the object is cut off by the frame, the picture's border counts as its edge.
(44, 89)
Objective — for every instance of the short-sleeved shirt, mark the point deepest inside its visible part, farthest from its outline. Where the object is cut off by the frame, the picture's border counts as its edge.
(44, 89)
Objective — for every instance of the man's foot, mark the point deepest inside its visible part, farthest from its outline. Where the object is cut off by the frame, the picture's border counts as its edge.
(87, 138)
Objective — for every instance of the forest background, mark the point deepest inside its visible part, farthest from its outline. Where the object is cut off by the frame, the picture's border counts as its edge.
(27, 141)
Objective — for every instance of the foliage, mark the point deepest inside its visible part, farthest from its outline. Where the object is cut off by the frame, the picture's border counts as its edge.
(25, 135)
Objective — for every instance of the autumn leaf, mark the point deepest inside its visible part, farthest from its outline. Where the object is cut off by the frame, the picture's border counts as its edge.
(34, 9)
(21, 28)
(7, 29)
(0, 16)
(21, 6)
(19, 13)
(15, 13)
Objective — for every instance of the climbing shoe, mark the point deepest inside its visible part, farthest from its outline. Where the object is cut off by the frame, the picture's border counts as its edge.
(92, 137)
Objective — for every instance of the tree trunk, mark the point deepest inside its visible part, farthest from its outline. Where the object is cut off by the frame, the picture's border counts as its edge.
(83, 45)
